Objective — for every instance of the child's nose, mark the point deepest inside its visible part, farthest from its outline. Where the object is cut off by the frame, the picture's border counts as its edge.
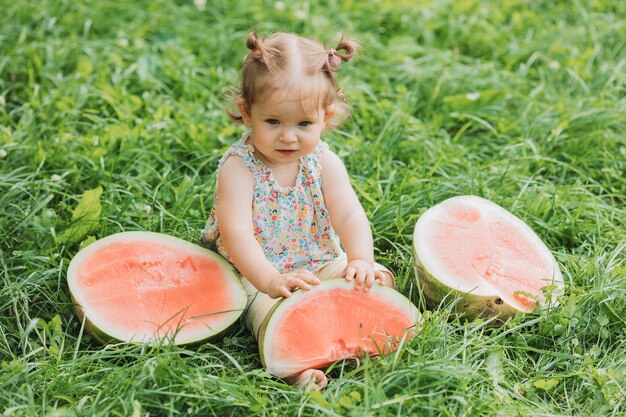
(288, 135)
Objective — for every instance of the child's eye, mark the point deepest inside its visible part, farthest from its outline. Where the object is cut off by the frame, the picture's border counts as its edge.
(305, 123)
(271, 121)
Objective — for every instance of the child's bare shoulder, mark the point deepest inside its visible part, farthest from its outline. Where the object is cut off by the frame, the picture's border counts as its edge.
(232, 165)
(233, 172)
(329, 160)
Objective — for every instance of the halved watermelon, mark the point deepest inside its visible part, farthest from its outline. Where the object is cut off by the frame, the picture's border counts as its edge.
(144, 287)
(331, 322)
(472, 247)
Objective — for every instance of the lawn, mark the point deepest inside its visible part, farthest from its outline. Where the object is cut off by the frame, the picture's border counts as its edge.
(520, 102)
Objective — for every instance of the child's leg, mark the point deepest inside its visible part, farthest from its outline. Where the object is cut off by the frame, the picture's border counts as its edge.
(259, 305)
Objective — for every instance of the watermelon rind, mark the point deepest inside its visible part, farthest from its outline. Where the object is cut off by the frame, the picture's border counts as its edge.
(480, 301)
(267, 330)
(105, 332)
(470, 305)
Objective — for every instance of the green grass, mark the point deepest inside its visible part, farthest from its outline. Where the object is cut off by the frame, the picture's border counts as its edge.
(519, 102)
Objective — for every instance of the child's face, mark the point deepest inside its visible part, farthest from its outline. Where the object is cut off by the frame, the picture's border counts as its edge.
(283, 131)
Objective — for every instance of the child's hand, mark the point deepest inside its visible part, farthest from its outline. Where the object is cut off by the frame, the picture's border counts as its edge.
(363, 273)
(281, 285)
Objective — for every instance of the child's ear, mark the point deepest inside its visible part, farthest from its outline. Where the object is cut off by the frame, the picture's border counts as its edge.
(244, 109)
(328, 114)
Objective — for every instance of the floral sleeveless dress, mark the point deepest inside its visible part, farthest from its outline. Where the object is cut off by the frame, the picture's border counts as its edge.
(292, 224)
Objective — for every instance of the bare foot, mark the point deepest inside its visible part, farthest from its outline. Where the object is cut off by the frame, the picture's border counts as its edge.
(309, 380)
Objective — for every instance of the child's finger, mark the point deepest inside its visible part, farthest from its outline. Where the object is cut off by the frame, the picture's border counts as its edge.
(382, 278)
(350, 272)
(378, 275)
(284, 292)
(298, 283)
(309, 278)
(360, 279)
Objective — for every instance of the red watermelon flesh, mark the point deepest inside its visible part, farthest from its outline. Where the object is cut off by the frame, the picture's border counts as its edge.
(331, 322)
(472, 245)
(141, 286)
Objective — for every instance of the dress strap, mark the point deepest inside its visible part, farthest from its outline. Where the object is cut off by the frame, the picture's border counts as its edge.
(319, 149)
(246, 152)
(312, 162)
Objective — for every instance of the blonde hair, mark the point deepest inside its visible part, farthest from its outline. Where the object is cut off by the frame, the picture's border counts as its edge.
(274, 63)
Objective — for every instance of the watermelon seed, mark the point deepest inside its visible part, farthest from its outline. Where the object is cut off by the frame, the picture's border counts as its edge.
(499, 301)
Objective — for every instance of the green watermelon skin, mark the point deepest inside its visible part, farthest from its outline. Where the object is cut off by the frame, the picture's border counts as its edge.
(469, 305)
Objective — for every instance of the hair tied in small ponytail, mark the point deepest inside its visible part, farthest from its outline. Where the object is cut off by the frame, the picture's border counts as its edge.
(254, 45)
(334, 60)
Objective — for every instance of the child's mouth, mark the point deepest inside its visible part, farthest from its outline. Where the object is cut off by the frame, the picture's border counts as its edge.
(287, 152)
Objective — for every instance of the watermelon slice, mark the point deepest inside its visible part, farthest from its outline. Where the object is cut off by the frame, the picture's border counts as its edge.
(331, 322)
(472, 247)
(145, 287)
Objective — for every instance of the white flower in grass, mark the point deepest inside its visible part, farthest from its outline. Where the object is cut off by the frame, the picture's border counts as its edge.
(279, 6)
(472, 96)
(554, 65)
(200, 4)
(123, 43)
(146, 208)
(3, 101)
(56, 178)
(3, 154)
(48, 214)
(300, 15)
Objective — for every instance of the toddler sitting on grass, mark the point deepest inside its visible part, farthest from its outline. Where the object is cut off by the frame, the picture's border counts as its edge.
(285, 213)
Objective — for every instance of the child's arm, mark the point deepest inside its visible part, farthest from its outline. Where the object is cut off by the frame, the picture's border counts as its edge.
(234, 214)
(349, 220)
